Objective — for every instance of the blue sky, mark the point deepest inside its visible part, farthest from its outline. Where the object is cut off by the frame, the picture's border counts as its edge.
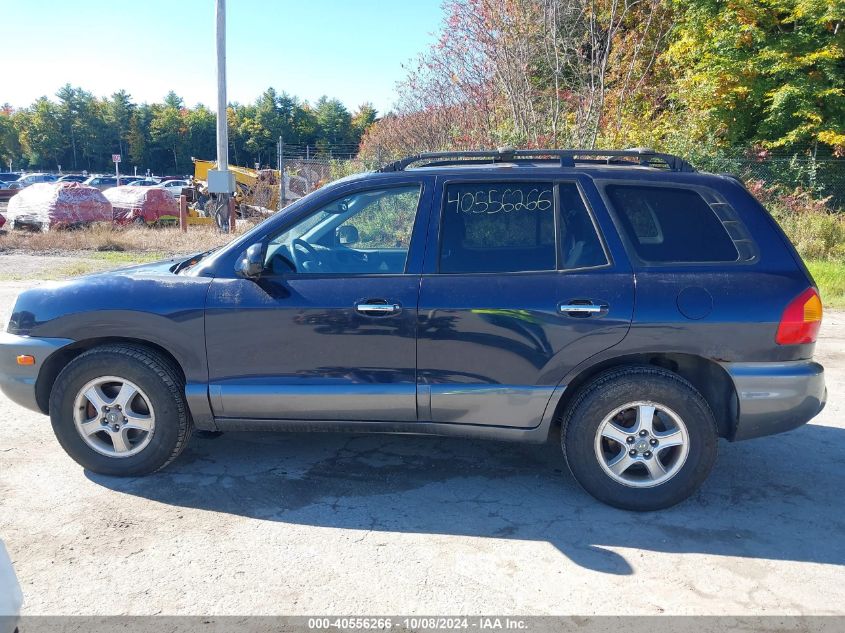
(353, 50)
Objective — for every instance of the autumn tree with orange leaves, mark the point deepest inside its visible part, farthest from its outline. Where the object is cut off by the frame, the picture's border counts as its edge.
(716, 74)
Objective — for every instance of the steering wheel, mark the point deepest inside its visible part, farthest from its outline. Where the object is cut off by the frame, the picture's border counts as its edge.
(310, 250)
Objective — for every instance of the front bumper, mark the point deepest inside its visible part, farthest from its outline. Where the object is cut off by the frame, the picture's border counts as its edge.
(776, 397)
(17, 382)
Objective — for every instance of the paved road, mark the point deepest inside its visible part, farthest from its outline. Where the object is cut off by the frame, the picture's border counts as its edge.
(338, 524)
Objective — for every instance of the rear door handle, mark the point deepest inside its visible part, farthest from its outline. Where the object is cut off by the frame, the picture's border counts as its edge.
(583, 308)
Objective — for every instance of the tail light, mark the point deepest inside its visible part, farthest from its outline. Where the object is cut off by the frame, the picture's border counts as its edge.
(801, 320)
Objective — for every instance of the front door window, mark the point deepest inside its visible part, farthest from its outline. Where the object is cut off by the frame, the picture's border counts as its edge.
(367, 232)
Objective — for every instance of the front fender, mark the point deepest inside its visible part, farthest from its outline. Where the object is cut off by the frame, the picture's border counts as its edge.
(166, 310)
(141, 305)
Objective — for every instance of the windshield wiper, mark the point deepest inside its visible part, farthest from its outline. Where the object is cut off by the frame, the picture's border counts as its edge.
(191, 261)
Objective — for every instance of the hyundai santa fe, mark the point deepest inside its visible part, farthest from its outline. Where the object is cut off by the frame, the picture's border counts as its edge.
(645, 308)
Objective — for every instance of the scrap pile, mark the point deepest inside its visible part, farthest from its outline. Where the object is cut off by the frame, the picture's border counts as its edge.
(142, 204)
(50, 205)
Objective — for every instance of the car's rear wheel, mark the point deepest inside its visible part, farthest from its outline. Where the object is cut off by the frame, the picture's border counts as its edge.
(639, 438)
(120, 410)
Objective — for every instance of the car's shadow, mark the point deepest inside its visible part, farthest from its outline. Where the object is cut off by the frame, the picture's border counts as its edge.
(775, 498)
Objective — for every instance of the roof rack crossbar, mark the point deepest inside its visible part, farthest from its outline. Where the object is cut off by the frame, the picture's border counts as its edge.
(567, 157)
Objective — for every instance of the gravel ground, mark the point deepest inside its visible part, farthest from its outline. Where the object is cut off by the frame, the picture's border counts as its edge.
(17, 267)
(349, 524)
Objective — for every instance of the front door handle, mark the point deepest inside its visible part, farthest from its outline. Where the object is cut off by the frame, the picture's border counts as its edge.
(583, 308)
(577, 307)
(372, 308)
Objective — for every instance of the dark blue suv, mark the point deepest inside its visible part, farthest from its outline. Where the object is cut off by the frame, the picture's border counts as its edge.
(645, 308)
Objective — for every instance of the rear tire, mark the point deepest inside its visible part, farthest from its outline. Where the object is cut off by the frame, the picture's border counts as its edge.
(120, 410)
(639, 438)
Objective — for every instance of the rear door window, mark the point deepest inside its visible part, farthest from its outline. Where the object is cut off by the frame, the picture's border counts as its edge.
(511, 227)
(498, 227)
(671, 224)
(580, 246)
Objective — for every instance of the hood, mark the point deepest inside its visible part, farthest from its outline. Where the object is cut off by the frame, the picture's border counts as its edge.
(160, 267)
(151, 288)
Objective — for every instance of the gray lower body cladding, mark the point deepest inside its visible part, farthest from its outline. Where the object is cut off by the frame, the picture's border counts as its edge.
(773, 397)
(776, 397)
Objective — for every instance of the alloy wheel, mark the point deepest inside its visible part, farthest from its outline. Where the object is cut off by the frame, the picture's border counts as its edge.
(642, 444)
(114, 416)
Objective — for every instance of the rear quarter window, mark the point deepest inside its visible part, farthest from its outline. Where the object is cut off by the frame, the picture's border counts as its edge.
(671, 224)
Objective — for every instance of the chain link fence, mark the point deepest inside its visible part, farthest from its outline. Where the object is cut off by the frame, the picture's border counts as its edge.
(824, 178)
(304, 175)
(308, 174)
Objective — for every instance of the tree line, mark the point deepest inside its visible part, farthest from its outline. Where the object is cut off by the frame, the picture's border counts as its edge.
(699, 78)
(702, 79)
(80, 131)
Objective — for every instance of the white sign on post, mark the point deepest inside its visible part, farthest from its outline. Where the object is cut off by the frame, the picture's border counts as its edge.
(115, 158)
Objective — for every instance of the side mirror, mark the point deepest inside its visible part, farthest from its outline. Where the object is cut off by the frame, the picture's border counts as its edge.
(250, 264)
(347, 234)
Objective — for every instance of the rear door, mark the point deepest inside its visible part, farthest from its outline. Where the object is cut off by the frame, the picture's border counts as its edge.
(519, 286)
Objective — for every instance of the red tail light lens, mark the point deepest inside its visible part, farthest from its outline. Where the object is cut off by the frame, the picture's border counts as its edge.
(801, 320)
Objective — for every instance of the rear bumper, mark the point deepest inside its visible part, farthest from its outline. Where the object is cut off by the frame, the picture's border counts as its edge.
(17, 382)
(776, 397)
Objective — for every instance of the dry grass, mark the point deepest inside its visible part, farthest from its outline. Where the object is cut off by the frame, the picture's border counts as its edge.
(830, 277)
(103, 238)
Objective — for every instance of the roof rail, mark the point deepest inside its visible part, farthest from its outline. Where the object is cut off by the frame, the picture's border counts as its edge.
(567, 158)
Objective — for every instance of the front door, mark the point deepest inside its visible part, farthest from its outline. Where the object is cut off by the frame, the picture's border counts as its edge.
(329, 330)
(520, 289)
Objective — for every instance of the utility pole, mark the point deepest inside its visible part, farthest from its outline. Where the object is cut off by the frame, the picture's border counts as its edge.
(220, 181)
(280, 163)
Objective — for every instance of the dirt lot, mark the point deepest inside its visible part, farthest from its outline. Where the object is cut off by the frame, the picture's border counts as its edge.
(332, 524)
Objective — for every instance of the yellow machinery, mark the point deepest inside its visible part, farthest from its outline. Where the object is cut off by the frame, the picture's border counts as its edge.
(256, 191)
(258, 188)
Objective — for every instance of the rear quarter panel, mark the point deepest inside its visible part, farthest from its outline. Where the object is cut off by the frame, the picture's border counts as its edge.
(746, 299)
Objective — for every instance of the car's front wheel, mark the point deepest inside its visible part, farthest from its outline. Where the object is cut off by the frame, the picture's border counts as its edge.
(120, 410)
(639, 438)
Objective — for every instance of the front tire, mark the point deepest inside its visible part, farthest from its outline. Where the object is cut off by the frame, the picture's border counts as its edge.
(120, 410)
(639, 438)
